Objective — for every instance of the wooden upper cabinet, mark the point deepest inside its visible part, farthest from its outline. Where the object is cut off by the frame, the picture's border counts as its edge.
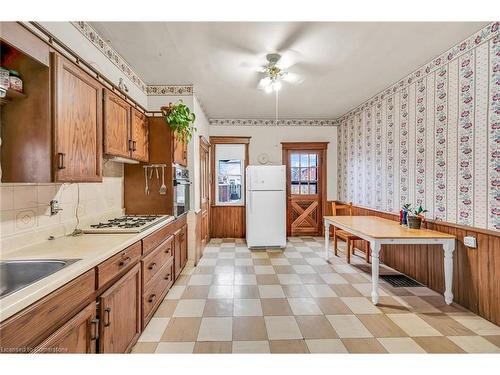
(120, 313)
(77, 123)
(117, 140)
(139, 131)
(180, 151)
(78, 335)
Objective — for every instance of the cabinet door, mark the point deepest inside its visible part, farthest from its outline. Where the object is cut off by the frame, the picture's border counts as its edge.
(79, 335)
(183, 244)
(177, 252)
(77, 124)
(120, 313)
(139, 129)
(117, 140)
(180, 152)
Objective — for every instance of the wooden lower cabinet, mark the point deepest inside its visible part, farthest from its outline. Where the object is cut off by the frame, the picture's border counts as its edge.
(79, 335)
(180, 250)
(120, 313)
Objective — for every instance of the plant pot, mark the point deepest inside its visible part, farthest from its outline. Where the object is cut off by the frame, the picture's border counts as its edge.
(414, 222)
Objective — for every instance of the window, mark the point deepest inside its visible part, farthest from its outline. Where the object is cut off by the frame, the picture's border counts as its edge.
(230, 174)
(304, 173)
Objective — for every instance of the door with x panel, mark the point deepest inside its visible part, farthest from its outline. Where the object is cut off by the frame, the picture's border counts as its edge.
(304, 191)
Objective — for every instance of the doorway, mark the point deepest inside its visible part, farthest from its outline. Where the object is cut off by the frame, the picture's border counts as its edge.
(204, 192)
(305, 187)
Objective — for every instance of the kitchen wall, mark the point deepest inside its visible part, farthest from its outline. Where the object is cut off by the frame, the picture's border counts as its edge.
(160, 95)
(25, 214)
(431, 139)
(266, 139)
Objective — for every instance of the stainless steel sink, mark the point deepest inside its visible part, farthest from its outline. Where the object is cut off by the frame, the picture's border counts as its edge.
(18, 274)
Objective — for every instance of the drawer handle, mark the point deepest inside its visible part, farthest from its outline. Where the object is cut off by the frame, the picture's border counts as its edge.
(95, 324)
(60, 160)
(168, 250)
(167, 277)
(124, 261)
(107, 312)
(151, 298)
(152, 266)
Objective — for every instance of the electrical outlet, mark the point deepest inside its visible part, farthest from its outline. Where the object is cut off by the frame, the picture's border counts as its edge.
(470, 241)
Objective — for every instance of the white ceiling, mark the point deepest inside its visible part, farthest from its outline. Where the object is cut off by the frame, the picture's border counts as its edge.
(342, 63)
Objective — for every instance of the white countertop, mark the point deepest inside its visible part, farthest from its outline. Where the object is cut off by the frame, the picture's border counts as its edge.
(92, 249)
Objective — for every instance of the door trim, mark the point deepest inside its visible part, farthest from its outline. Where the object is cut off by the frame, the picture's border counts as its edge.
(322, 147)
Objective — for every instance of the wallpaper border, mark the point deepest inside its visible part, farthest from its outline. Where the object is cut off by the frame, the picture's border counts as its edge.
(170, 90)
(272, 122)
(93, 36)
(473, 41)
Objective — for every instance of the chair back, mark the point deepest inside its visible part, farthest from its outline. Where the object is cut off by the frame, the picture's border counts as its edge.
(337, 206)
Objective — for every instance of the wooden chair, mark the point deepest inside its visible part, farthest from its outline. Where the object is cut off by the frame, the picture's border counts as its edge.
(349, 238)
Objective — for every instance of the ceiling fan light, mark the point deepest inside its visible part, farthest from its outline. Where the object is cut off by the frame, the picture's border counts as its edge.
(276, 85)
(268, 89)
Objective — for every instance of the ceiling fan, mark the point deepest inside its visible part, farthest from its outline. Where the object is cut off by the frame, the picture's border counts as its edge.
(274, 73)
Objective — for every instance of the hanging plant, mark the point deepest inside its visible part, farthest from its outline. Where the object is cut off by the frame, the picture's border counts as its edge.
(180, 119)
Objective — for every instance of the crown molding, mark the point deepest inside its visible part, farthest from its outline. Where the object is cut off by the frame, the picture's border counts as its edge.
(485, 34)
(93, 36)
(272, 122)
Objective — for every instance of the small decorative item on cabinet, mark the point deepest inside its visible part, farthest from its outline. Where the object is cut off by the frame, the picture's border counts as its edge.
(4, 79)
(404, 214)
(16, 83)
(180, 119)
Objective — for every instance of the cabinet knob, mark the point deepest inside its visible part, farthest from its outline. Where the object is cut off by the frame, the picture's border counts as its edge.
(167, 276)
(152, 266)
(124, 261)
(151, 298)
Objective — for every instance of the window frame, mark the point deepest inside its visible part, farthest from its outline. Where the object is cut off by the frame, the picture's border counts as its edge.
(218, 140)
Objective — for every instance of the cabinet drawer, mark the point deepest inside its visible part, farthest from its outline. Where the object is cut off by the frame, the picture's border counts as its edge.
(29, 327)
(155, 238)
(117, 264)
(156, 290)
(154, 261)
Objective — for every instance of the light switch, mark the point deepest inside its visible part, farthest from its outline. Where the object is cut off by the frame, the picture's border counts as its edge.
(470, 241)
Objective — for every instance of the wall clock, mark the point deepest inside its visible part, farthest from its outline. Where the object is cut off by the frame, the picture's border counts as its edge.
(263, 158)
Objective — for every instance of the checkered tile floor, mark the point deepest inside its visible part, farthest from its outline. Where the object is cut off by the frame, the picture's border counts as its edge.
(241, 301)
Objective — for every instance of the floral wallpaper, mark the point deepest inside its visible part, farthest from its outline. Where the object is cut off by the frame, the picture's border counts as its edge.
(433, 138)
(272, 122)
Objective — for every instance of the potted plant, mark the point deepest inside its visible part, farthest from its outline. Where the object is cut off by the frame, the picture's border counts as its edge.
(180, 119)
(415, 220)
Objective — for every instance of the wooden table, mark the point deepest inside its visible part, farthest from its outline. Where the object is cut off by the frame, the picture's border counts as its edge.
(378, 231)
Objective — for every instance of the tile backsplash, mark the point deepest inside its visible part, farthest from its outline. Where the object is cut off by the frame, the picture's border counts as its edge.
(25, 212)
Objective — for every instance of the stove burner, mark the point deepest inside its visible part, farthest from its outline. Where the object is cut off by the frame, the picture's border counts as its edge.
(102, 225)
(132, 223)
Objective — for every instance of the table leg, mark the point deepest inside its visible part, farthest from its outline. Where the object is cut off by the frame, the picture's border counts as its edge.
(327, 241)
(375, 248)
(448, 248)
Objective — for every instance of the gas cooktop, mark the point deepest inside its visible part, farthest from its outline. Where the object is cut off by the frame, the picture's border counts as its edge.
(126, 224)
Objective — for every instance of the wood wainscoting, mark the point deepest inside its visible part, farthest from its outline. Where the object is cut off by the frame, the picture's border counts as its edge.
(227, 221)
(476, 273)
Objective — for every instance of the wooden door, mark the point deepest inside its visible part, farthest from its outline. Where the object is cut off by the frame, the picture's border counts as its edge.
(306, 177)
(120, 313)
(117, 140)
(77, 124)
(78, 335)
(139, 131)
(204, 192)
(180, 152)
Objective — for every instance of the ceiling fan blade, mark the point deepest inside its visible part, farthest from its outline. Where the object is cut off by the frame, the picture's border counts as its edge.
(303, 68)
(293, 78)
(298, 31)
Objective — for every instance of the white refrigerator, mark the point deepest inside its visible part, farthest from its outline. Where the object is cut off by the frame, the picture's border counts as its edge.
(266, 206)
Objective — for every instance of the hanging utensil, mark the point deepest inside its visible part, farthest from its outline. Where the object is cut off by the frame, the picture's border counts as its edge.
(146, 190)
(157, 175)
(163, 188)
